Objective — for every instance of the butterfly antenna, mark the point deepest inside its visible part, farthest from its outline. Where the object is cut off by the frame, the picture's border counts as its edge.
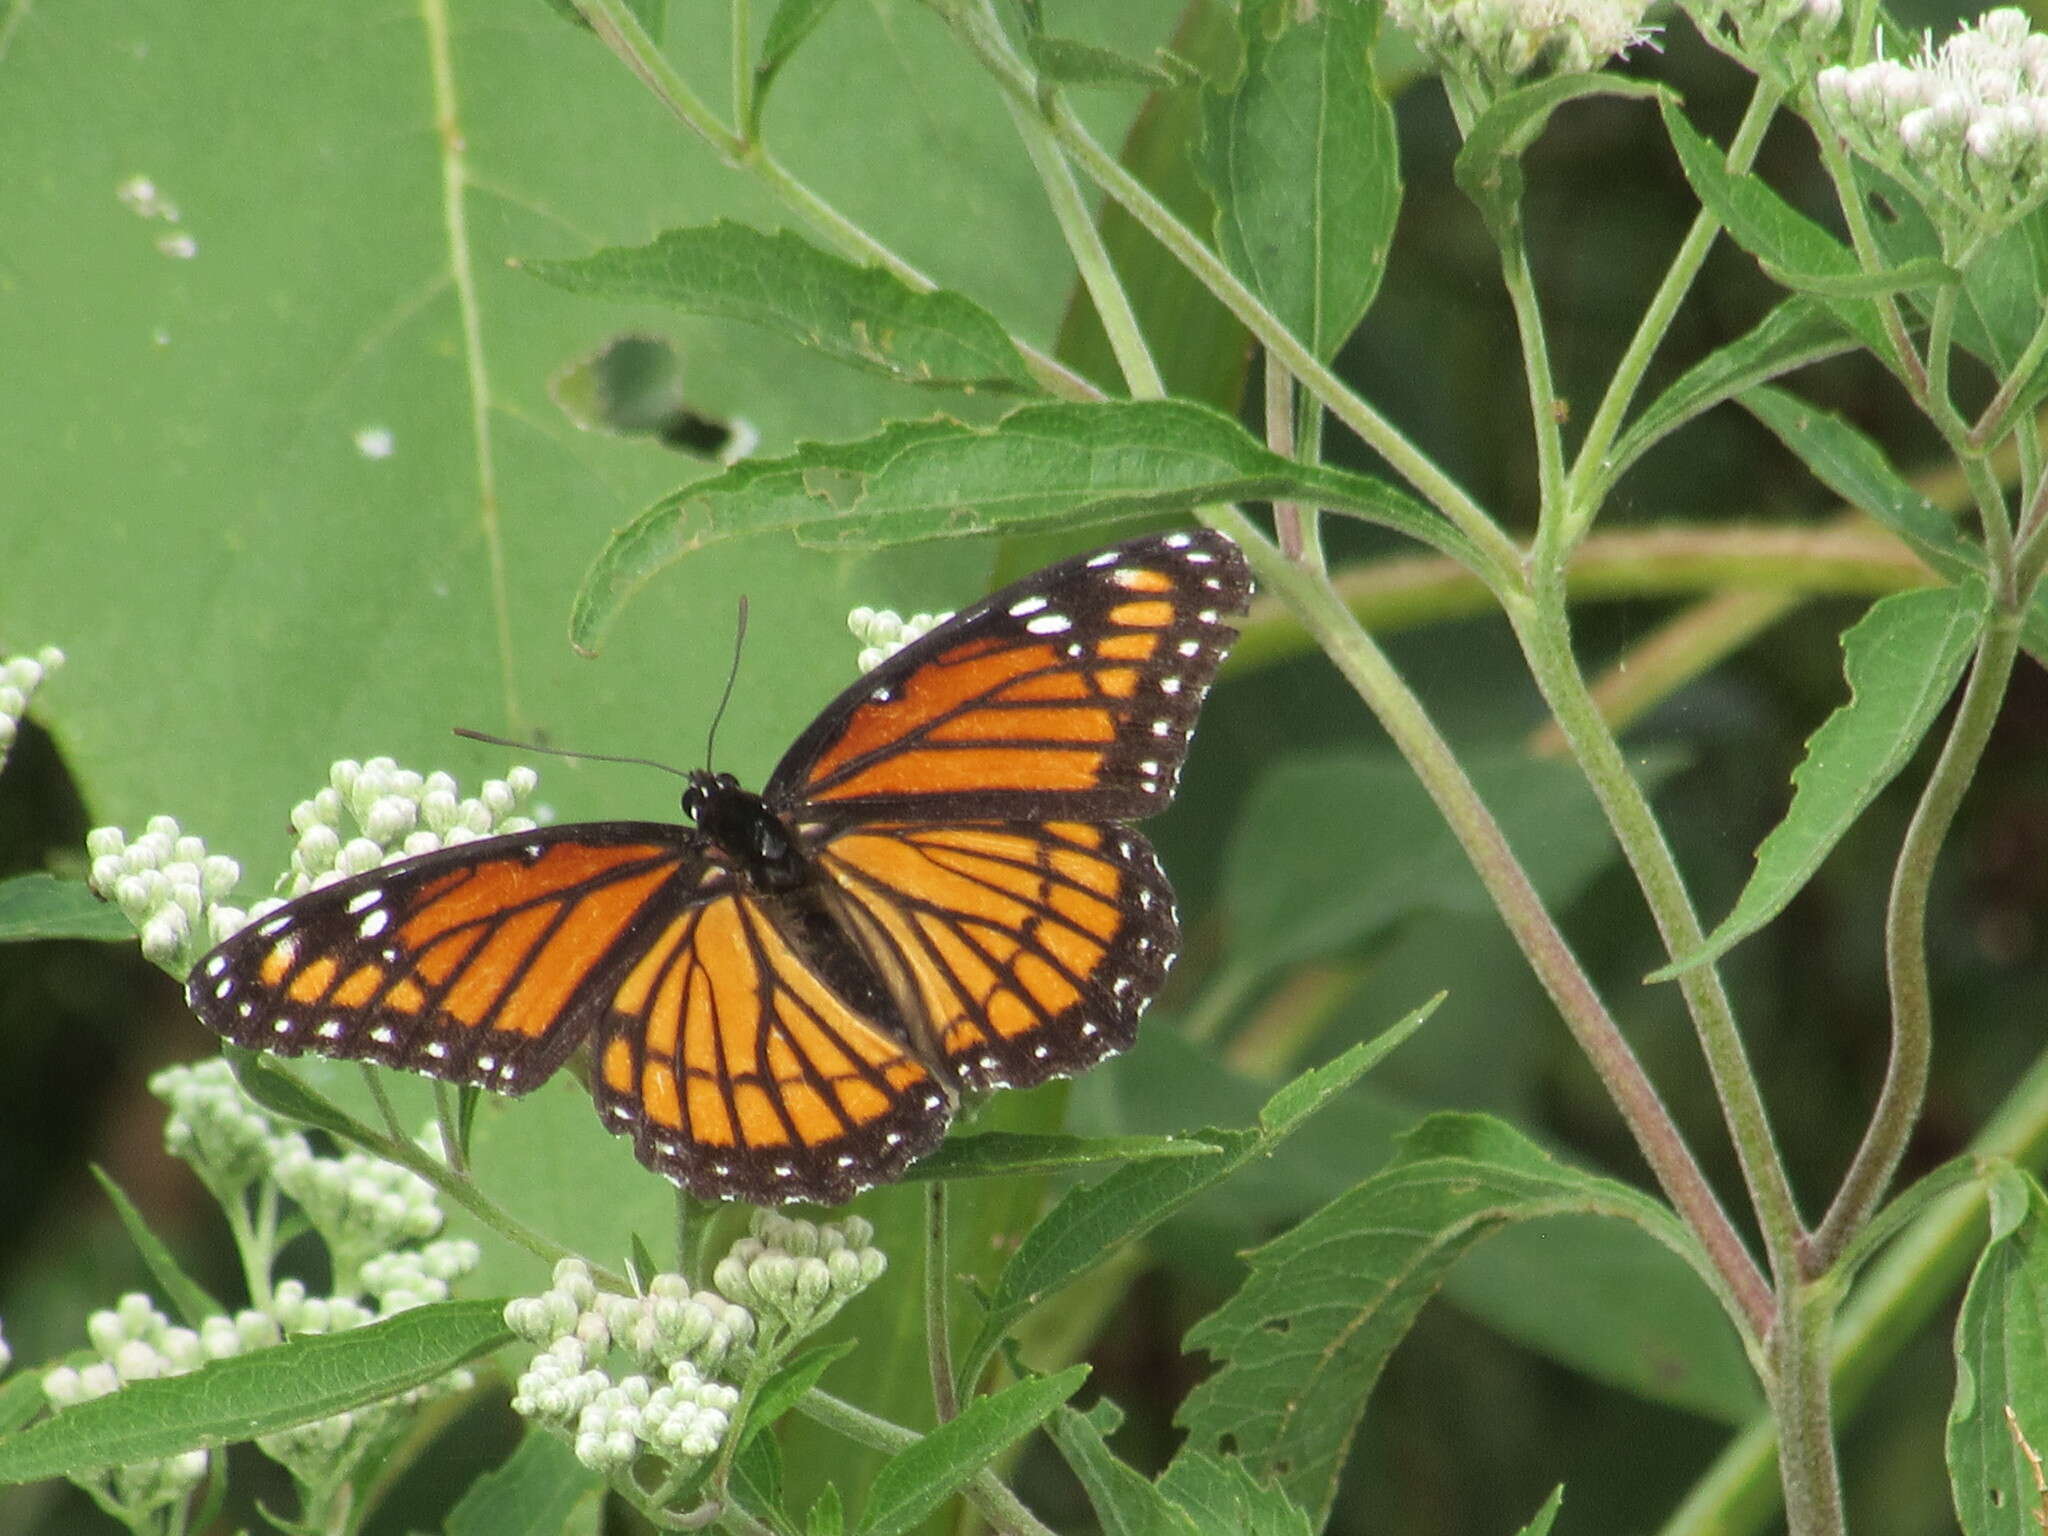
(739, 640)
(588, 757)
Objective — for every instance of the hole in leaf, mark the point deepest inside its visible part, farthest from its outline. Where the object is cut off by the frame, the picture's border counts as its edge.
(1279, 1325)
(632, 386)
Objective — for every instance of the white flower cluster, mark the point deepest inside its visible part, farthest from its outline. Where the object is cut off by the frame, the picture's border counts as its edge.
(663, 1402)
(360, 1205)
(175, 893)
(168, 886)
(1965, 125)
(798, 1272)
(20, 677)
(1500, 41)
(883, 632)
(213, 1126)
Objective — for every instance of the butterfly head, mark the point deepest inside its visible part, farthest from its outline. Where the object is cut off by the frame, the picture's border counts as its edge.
(755, 840)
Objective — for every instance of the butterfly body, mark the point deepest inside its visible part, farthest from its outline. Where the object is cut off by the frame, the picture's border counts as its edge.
(938, 892)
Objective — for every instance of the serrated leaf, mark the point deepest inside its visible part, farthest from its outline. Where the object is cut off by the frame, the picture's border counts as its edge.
(1302, 163)
(1220, 1493)
(533, 1493)
(827, 1516)
(1489, 165)
(757, 1476)
(1547, 1515)
(187, 1296)
(40, 906)
(1924, 272)
(1768, 227)
(1042, 465)
(919, 1478)
(1087, 1224)
(1902, 659)
(1799, 331)
(1301, 1344)
(2000, 1412)
(311, 1376)
(858, 315)
(1126, 1502)
(1068, 62)
(1855, 469)
(1015, 1154)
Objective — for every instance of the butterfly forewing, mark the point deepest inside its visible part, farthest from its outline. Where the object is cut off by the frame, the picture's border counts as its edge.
(1069, 694)
(1030, 947)
(482, 963)
(742, 1074)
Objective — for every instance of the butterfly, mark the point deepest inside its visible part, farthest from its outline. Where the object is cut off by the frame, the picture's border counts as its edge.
(938, 893)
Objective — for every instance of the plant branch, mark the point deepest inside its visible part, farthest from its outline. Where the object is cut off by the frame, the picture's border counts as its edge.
(938, 1319)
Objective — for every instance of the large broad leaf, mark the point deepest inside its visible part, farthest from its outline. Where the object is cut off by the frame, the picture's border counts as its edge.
(1489, 166)
(1040, 466)
(1998, 1424)
(1902, 660)
(1089, 1223)
(1301, 160)
(533, 1494)
(858, 315)
(288, 483)
(1302, 1343)
(312, 1376)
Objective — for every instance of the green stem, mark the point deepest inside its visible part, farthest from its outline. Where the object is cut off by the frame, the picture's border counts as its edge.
(1588, 479)
(1542, 627)
(1914, 1280)
(1295, 525)
(1368, 671)
(1520, 283)
(1904, 361)
(1497, 550)
(449, 1122)
(743, 66)
(1091, 258)
(1799, 1384)
(1993, 423)
(1995, 520)
(938, 1319)
(1905, 1080)
(1001, 1508)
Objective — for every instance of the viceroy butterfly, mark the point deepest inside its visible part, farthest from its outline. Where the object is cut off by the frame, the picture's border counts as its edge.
(938, 892)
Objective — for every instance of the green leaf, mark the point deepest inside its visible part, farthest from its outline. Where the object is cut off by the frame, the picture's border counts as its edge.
(1302, 162)
(1547, 1515)
(186, 1295)
(1903, 659)
(277, 1090)
(827, 1516)
(1046, 465)
(1088, 1223)
(1012, 1154)
(21, 1399)
(1126, 1502)
(311, 1376)
(757, 1476)
(919, 1478)
(1489, 166)
(40, 906)
(793, 21)
(858, 315)
(1332, 848)
(2000, 1412)
(533, 1494)
(780, 1392)
(1769, 228)
(1220, 1493)
(1303, 1341)
(1855, 469)
(1799, 331)
(1924, 272)
(1067, 62)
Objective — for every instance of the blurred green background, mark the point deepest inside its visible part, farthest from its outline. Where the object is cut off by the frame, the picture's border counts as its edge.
(284, 477)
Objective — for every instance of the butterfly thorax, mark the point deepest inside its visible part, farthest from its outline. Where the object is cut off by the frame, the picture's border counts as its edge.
(755, 841)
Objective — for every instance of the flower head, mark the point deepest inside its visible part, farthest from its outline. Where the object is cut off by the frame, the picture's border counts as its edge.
(1499, 41)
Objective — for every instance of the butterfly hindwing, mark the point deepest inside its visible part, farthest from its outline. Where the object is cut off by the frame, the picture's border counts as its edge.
(742, 1074)
(485, 962)
(1030, 947)
(1070, 694)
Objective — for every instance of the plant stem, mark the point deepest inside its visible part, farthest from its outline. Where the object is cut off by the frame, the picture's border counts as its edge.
(1589, 470)
(1663, 1146)
(1913, 1281)
(1542, 626)
(742, 65)
(1798, 1385)
(1296, 526)
(1905, 1080)
(938, 1321)
(1520, 283)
